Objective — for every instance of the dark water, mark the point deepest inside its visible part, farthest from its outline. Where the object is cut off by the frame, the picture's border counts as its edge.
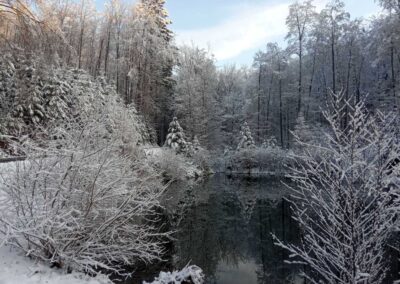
(228, 234)
(224, 226)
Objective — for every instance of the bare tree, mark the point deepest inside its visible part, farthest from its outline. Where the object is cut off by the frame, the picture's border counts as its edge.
(342, 199)
(299, 19)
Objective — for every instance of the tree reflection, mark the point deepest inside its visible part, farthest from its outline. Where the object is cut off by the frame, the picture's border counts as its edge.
(230, 231)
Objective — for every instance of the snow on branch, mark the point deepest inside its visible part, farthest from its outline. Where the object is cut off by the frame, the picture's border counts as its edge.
(189, 274)
(344, 198)
(81, 204)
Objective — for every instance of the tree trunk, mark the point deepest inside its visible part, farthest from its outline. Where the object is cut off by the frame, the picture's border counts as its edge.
(269, 100)
(346, 117)
(393, 73)
(259, 103)
(300, 87)
(280, 105)
(107, 48)
(333, 61)
(310, 87)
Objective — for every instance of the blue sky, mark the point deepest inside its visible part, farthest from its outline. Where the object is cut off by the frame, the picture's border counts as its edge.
(235, 29)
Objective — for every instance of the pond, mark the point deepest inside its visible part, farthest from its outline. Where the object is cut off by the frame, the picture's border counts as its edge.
(225, 225)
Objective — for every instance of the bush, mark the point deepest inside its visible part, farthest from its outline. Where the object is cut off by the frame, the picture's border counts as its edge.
(201, 158)
(169, 164)
(85, 200)
(263, 160)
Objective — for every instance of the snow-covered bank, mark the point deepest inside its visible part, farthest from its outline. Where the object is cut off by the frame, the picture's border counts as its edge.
(174, 166)
(15, 268)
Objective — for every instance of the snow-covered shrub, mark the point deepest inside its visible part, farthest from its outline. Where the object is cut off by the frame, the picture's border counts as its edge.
(201, 158)
(171, 165)
(264, 160)
(269, 143)
(80, 204)
(342, 199)
(190, 274)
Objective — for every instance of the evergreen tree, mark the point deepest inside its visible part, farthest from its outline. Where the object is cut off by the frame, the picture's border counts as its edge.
(159, 63)
(157, 10)
(246, 139)
(176, 137)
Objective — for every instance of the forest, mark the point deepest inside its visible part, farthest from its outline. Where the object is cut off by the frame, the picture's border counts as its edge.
(114, 137)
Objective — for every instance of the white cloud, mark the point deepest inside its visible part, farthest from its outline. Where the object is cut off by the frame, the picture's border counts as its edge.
(241, 31)
(249, 26)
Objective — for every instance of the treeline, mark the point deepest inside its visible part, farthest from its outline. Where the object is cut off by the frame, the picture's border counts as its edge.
(133, 48)
(326, 51)
(130, 45)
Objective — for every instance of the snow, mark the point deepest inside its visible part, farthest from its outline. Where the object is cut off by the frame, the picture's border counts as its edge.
(191, 273)
(173, 161)
(18, 269)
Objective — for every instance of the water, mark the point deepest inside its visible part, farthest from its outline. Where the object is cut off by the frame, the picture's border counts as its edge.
(228, 234)
(225, 226)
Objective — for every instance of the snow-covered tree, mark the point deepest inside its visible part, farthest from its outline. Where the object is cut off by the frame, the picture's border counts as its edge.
(246, 139)
(195, 99)
(298, 21)
(342, 201)
(176, 139)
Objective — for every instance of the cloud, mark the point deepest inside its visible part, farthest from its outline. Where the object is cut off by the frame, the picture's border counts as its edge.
(243, 30)
(249, 26)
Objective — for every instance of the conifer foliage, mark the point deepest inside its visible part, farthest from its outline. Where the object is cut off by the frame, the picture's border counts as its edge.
(176, 138)
(246, 138)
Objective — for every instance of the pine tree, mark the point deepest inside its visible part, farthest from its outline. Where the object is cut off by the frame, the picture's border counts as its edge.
(246, 139)
(157, 10)
(176, 137)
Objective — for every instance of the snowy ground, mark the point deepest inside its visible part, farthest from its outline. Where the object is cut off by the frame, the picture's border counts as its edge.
(18, 269)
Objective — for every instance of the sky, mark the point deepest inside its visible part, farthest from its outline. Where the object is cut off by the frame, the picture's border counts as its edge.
(234, 30)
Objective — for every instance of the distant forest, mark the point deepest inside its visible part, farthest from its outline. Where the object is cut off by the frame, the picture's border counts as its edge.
(133, 49)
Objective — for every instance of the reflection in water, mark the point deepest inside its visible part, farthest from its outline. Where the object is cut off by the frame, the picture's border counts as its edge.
(224, 226)
(228, 233)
